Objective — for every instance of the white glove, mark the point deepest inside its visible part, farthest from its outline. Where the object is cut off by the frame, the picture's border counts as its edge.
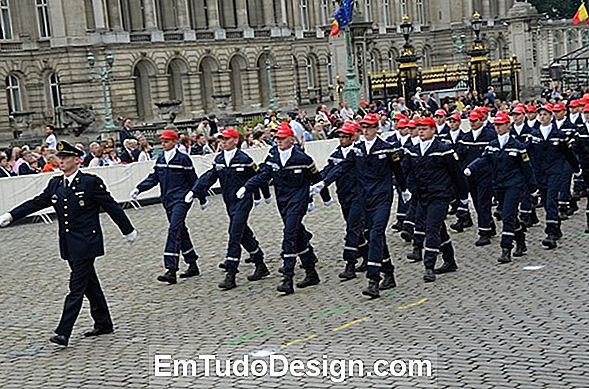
(329, 203)
(204, 206)
(311, 207)
(5, 220)
(467, 172)
(134, 194)
(189, 197)
(131, 237)
(241, 192)
(536, 193)
(578, 174)
(315, 189)
(258, 202)
(268, 200)
(406, 196)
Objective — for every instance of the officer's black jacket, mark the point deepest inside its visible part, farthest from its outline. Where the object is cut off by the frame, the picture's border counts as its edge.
(445, 130)
(435, 173)
(510, 165)
(549, 155)
(567, 128)
(77, 208)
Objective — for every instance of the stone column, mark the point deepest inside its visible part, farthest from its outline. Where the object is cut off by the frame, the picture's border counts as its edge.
(242, 20)
(149, 12)
(183, 15)
(486, 11)
(114, 15)
(99, 16)
(284, 18)
(213, 10)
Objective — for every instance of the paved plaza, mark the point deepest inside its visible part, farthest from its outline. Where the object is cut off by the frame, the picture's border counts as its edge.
(520, 325)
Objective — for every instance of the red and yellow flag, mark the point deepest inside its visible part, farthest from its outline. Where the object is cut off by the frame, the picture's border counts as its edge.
(581, 15)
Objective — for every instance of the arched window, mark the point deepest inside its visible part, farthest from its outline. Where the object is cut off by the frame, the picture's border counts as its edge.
(386, 12)
(420, 6)
(329, 66)
(392, 60)
(54, 90)
(142, 73)
(304, 12)
(367, 10)
(427, 57)
(403, 9)
(177, 70)
(237, 68)
(374, 61)
(13, 93)
(311, 71)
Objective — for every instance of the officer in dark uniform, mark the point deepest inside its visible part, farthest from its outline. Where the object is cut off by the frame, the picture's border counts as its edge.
(408, 230)
(175, 174)
(577, 118)
(233, 168)
(293, 172)
(375, 161)
(435, 170)
(512, 178)
(77, 198)
(549, 150)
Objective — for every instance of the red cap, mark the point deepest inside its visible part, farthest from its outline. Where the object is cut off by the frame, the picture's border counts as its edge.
(371, 119)
(484, 109)
(574, 103)
(363, 102)
(440, 112)
(519, 109)
(558, 107)
(229, 133)
(455, 116)
(284, 130)
(349, 128)
(403, 123)
(412, 124)
(475, 115)
(399, 116)
(532, 108)
(586, 108)
(429, 122)
(169, 135)
(501, 118)
(546, 107)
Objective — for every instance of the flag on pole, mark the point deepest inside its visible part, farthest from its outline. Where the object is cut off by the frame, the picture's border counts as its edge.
(342, 17)
(581, 15)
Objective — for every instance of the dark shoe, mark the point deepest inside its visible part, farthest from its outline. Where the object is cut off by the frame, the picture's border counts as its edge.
(311, 279)
(446, 267)
(520, 249)
(415, 255)
(429, 275)
(562, 214)
(191, 271)
(505, 256)
(497, 215)
(388, 282)
(286, 286)
(363, 266)
(222, 266)
(574, 207)
(229, 281)
(372, 289)
(398, 226)
(260, 272)
(483, 241)
(98, 331)
(458, 226)
(549, 242)
(535, 219)
(349, 273)
(406, 236)
(587, 230)
(467, 222)
(59, 339)
(169, 277)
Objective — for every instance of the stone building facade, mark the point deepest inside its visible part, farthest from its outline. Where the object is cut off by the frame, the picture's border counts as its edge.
(210, 54)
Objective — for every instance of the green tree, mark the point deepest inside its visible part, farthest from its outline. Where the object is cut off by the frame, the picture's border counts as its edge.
(557, 8)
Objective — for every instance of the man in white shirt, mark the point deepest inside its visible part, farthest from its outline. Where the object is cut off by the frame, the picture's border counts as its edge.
(346, 112)
(51, 140)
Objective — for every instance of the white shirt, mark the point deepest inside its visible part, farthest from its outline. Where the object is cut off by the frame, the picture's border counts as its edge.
(546, 130)
(440, 128)
(518, 128)
(531, 123)
(415, 140)
(425, 145)
(454, 135)
(573, 117)
(51, 141)
(228, 155)
(285, 155)
(402, 139)
(346, 150)
(476, 133)
(168, 155)
(369, 144)
(347, 113)
(70, 179)
(503, 139)
(559, 123)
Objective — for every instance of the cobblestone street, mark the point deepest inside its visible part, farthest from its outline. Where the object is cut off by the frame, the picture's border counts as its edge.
(520, 325)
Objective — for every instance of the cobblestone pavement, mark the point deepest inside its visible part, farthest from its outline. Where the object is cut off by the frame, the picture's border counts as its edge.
(486, 326)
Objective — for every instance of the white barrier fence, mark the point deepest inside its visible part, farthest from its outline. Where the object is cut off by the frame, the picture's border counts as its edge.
(121, 179)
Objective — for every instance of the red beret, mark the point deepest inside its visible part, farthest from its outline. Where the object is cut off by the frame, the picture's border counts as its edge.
(412, 124)
(475, 115)
(349, 128)
(371, 119)
(501, 118)
(229, 133)
(574, 103)
(440, 112)
(169, 135)
(546, 107)
(399, 116)
(586, 108)
(403, 123)
(558, 107)
(519, 109)
(429, 122)
(456, 116)
(284, 130)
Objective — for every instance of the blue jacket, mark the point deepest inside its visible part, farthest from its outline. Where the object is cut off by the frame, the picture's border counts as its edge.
(510, 165)
(469, 149)
(523, 136)
(581, 146)
(549, 155)
(77, 208)
(346, 185)
(175, 178)
(447, 139)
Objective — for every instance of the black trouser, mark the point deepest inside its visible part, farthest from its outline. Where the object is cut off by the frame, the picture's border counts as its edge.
(480, 188)
(433, 236)
(510, 199)
(83, 282)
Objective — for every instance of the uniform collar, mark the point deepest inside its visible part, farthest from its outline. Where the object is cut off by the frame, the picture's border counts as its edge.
(503, 139)
(424, 145)
(368, 144)
(545, 130)
(169, 155)
(415, 140)
(285, 155)
(71, 178)
(228, 155)
(477, 133)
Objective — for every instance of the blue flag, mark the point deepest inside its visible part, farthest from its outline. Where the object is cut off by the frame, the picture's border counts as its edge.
(342, 17)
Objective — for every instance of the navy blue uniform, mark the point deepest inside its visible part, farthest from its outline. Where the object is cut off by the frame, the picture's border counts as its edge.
(569, 130)
(527, 209)
(451, 138)
(292, 182)
(175, 179)
(479, 186)
(512, 177)
(232, 176)
(581, 148)
(77, 207)
(434, 175)
(402, 207)
(548, 157)
(374, 172)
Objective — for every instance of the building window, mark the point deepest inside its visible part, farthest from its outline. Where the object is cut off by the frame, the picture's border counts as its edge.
(403, 11)
(386, 12)
(54, 91)
(310, 73)
(367, 11)
(372, 63)
(304, 8)
(5, 25)
(43, 18)
(325, 12)
(392, 60)
(420, 11)
(199, 14)
(13, 94)
(329, 71)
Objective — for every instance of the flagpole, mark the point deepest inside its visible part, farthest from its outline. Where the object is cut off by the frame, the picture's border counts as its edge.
(351, 92)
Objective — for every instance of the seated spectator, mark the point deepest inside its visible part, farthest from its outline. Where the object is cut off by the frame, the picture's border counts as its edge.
(110, 143)
(16, 159)
(97, 159)
(184, 144)
(144, 145)
(259, 139)
(94, 149)
(28, 166)
(145, 153)
(5, 170)
(200, 146)
(52, 164)
(130, 152)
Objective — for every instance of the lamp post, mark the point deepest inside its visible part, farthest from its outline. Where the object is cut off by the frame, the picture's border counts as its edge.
(268, 62)
(408, 69)
(103, 72)
(351, 90)
(479, 64)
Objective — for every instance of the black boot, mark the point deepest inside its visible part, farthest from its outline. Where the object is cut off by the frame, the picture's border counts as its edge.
(372, 289)
(574, 207)
(458, 226)
(429, 275)
(363, 266)
(260, 272)
(407, 235)
(549, 242)
(388, 282)
(483, 240)
(349, 273)
(311, 279)
(191, 271)
(534, 218)
(398, 226)
(498, 215)
(447, 267)
(467, 222)
(520, 249)
(229, 281)
(505, 256)
(415, 255)
(286, 285)
(169, 277)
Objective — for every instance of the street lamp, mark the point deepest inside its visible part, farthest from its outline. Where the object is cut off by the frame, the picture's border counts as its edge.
(408, 69)
(268, 63)
(479, 73)
(102, 73)
(406, 29)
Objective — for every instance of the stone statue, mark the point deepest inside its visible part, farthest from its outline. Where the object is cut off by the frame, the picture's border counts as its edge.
(77, 118)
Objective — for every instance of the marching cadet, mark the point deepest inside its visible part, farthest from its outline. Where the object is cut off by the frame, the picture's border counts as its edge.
(435, 169)
(398, 140)
(566, 206)
(581, 147)
(577, 118)
(451, 138)
(442, 128)
(77, 198)
(532, 116)
(233, 168)
(175, 174)
(470, 147)
(576, 115)
(293, 171)
(549, 150)
(374, 161)
(409, 222)
(512, 178)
